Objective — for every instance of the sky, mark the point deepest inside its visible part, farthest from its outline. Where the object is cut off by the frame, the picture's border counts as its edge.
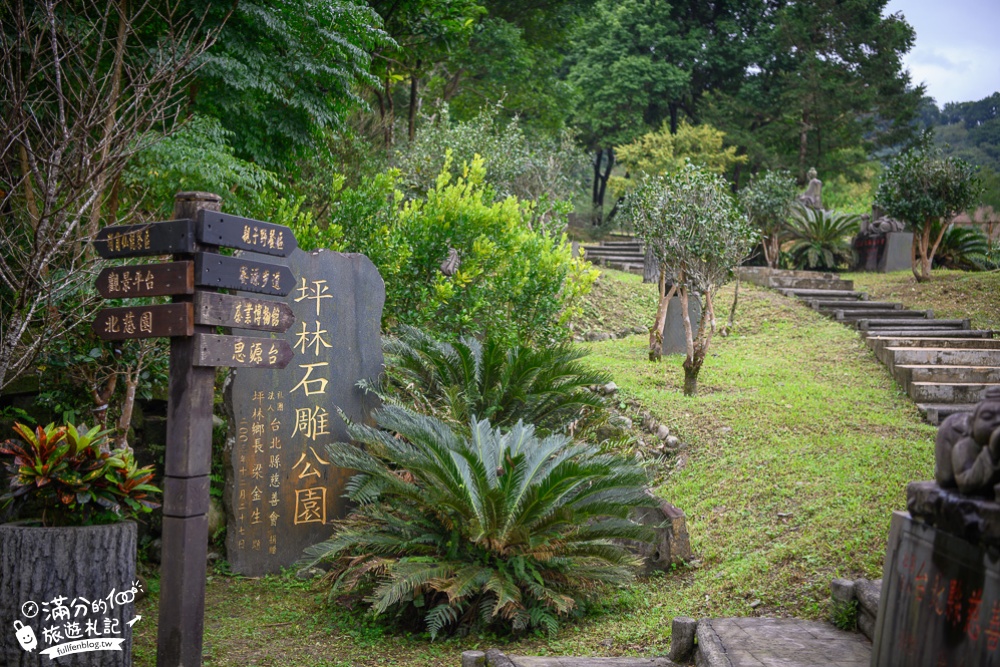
(957, 50)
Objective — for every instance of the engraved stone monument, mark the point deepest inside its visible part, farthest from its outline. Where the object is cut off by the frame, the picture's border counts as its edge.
(940, 601)
(282, 493)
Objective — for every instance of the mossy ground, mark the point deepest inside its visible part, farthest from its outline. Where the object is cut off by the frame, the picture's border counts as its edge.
(797, 450)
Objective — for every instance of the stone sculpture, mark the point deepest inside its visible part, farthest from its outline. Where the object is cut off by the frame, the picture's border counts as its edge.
(813, 196)
(967, 448)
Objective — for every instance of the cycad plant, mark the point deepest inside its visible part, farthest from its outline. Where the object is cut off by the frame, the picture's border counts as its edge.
(822, 238)
(497, 529)
(965, 248)
(546, 387)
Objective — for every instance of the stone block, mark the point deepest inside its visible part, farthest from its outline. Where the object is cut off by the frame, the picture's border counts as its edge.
(671, 543)
(674, 338)
(473, 659)
(842, 590)
(682, 633)
(867, 592)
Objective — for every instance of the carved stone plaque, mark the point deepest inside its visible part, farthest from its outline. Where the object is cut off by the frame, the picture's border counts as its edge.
(282, 493)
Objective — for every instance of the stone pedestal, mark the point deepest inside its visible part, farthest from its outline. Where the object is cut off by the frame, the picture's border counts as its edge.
(884, 253)
(940, 600)
(674, 339)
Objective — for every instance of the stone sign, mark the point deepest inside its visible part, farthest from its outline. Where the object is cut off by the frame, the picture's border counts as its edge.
(940, 602)
(282, 493)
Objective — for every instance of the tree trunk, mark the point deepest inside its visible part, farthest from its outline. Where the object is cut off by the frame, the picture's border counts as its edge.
(732, 311)
(803, 145)
(690, 371)
(41, 564)
(656, 332)
(414, 83)
(690, 379)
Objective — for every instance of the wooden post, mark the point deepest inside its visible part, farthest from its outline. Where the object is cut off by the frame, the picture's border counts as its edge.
(186, 482)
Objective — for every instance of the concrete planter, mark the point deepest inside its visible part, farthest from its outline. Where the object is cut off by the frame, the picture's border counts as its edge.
(57, 569)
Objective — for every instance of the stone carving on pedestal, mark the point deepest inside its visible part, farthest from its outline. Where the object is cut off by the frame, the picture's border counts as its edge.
(813, 196)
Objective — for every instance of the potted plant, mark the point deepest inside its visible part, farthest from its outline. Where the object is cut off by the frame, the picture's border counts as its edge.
(67, 574)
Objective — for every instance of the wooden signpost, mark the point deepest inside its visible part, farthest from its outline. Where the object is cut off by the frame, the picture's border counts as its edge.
(196, 350)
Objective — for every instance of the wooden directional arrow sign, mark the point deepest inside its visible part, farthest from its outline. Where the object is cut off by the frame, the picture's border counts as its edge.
(230, 231)
(152, 238)
(241, 351)
(130, 282)
(170, 319)
(223, 310)
(246, 275)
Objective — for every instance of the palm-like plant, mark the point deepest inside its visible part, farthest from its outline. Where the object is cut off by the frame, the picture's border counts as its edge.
(822, 238)
(965, 248)
(492, 528)
(546, 387)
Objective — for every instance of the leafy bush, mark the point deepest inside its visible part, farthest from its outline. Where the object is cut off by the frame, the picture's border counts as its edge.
(495, 529)
(516, 281)
(546, 387)
(72, 479)
(822, 238)
(515, 284)
(768, 202)
(528, 167)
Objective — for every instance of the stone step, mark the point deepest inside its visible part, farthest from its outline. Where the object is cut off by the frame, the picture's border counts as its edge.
(627, 267)
(809, 283)
(856, 314)
(603, 252)
(907, 374)
(915, 323)
(949, 392)
(824, 305)
(928, 332)
(879, 345)
(823, 293)
(935, 413)
(558, 661)
(943, 356)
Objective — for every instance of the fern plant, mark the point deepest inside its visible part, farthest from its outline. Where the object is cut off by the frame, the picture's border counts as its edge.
(546, 387)
(506, 530)
(822, 238)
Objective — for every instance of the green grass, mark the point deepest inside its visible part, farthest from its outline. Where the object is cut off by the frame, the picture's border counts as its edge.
(798, 449)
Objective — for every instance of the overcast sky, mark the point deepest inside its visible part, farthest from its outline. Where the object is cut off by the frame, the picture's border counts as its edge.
(957, 52)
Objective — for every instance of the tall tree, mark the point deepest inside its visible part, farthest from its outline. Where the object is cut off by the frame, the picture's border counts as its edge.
(825, 88)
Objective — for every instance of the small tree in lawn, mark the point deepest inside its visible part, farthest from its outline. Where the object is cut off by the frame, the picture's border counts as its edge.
(927, 190)
(699, 236)
(768, 202)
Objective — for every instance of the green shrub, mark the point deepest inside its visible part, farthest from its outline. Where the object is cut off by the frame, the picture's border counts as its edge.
(768, 202)
(822, 238)
(546, 387)
(504, 530)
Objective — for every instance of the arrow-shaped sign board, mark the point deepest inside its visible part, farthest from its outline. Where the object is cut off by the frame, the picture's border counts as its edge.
(142, 240)
(241, 312)
(241, 351)
(130, 282)
(236, 273)
(163, 320)
(231, 231)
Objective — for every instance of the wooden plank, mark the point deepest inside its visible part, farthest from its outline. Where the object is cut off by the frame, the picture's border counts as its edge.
(231, 231)
(241, 351)
(160, 321)
(151, 238)
(245, 275)
(242, 312)
(130, 282)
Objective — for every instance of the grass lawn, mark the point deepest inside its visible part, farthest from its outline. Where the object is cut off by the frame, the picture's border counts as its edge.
(797, 450)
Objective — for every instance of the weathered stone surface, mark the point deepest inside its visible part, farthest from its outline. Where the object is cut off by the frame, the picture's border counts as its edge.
(281, 491)
(495, 658)
(473, 659)
(674, 338)
(560, 661)
(662, 432)
(609, 389)
(671, 544)
(682, 633)
(938, 597)
(842, 590)
(866, 624)
(868, 592)
(976, 520)
(760, 642)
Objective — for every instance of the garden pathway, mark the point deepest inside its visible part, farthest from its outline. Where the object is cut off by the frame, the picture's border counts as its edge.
(944, 365)
(778, 642)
